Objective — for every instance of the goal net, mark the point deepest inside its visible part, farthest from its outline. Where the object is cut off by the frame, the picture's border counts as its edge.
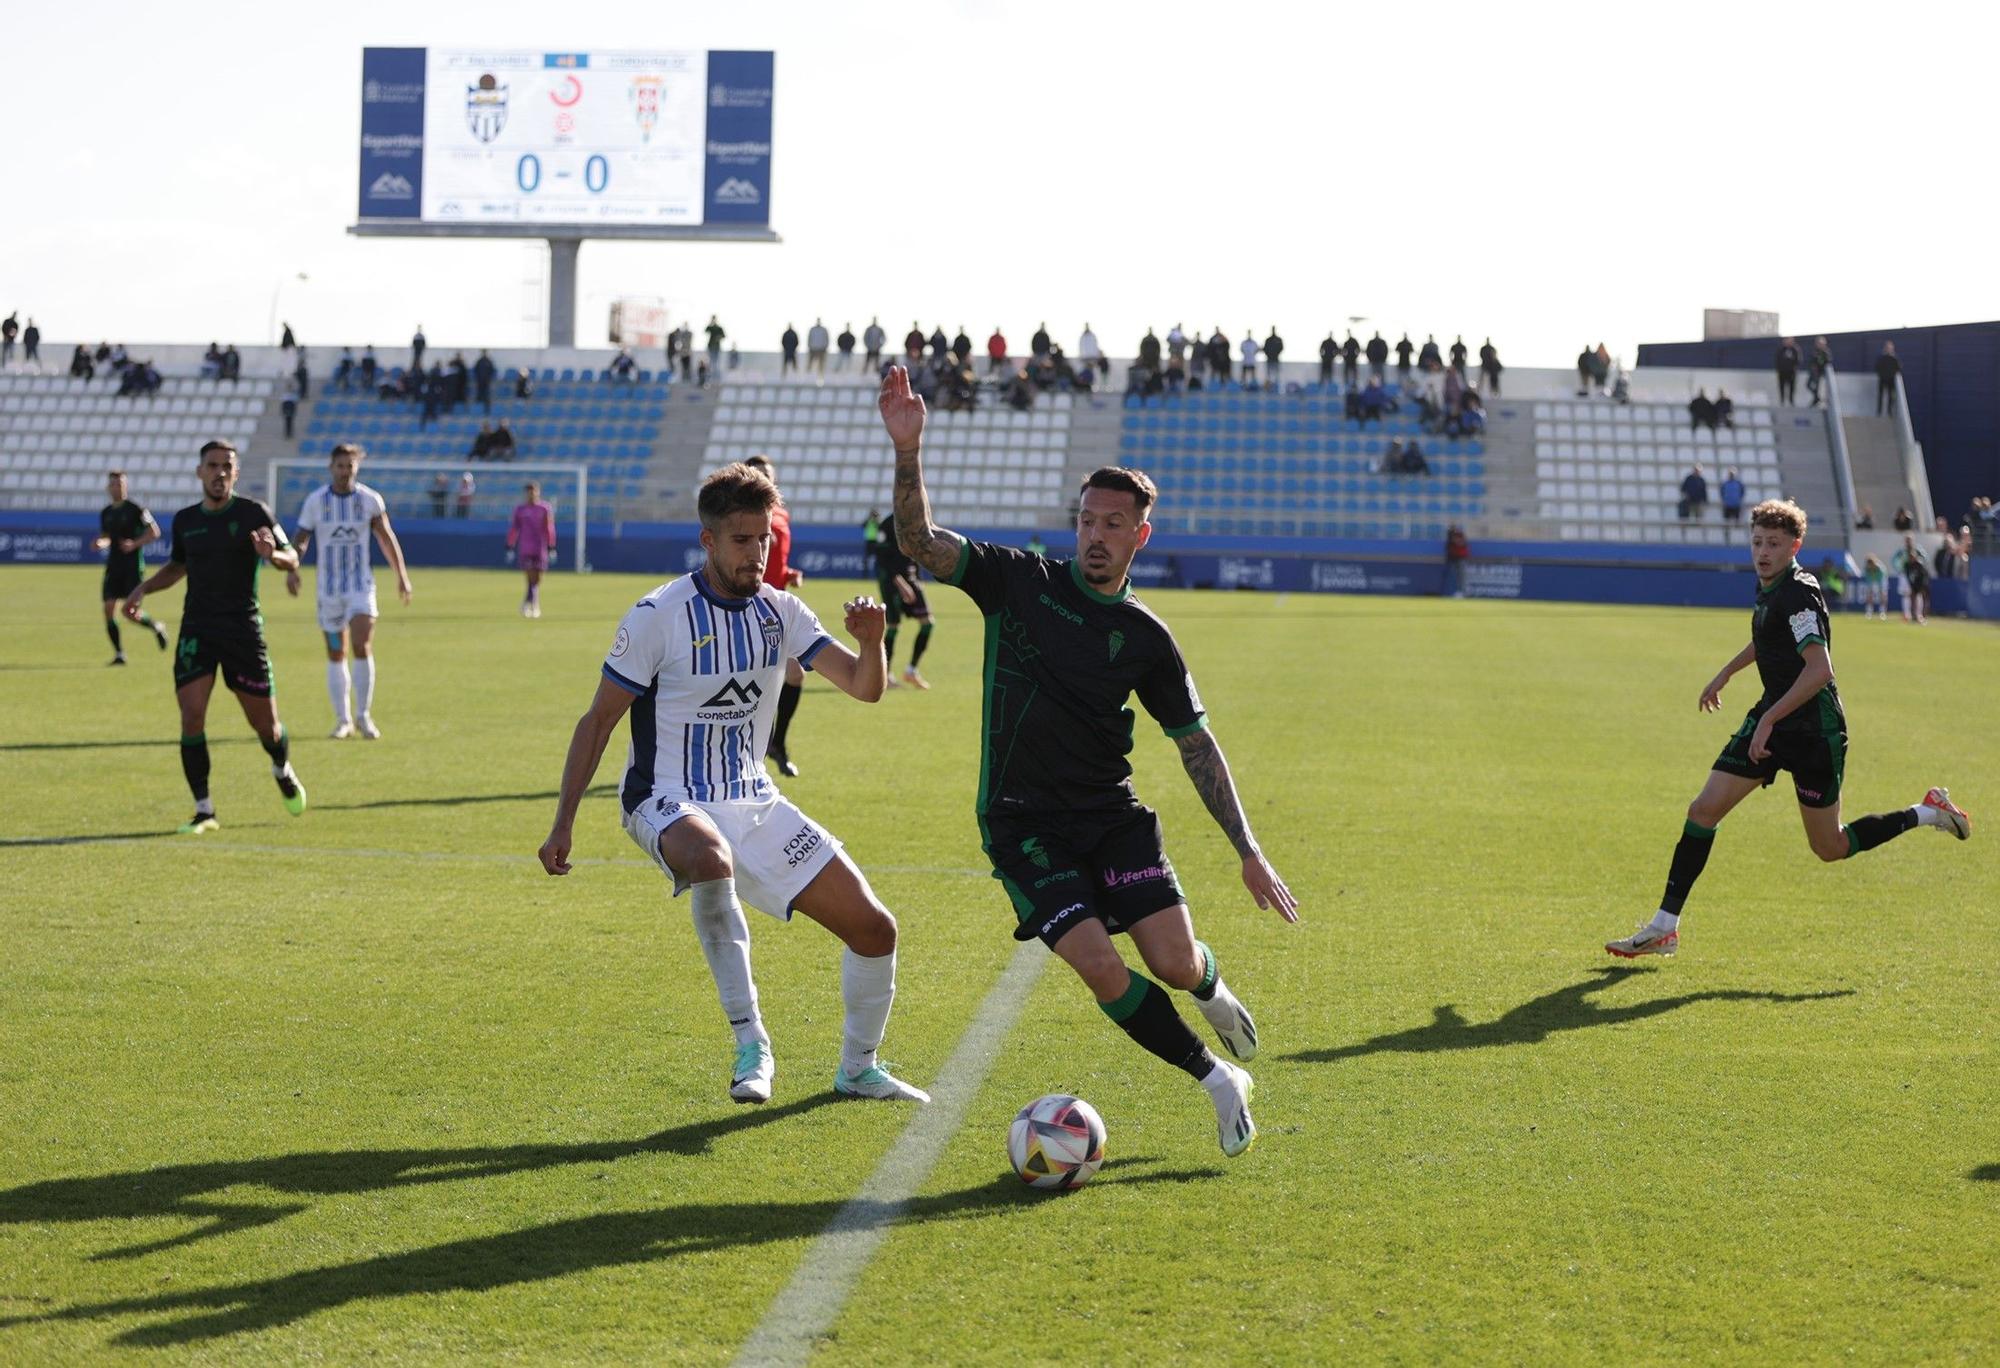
(431, 489)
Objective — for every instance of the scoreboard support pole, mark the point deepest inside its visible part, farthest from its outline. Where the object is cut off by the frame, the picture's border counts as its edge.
(562, 290)
(564, 244)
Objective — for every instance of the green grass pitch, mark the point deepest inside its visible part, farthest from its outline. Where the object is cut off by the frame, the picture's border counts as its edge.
(367, 1085)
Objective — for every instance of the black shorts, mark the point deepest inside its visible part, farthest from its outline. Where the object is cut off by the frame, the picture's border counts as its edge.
(1061, 869)
(1817, 761)
(119, 584)
(239, 654)
(892, 601)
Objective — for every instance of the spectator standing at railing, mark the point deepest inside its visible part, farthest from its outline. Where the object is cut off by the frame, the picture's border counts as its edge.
(1694, 494)
(940, 347)
(31, 344)
(1404, 350)
(1350, 360)
(1944, 564)
(1490, 367)
(1788, 371)
(714, 332)
(302, 377)
(458, 380)
(961, 349)
(1458, 353)
(872, 341)
(440, 492)
(483, 372)
(816, 345)
(1916, 581)
(845, 342)
(1248, 350)
(1176, 344)
(1816, 367)
(1732, 497)
(368, 367)
(1039, 344)
(1377, 352)
(467, 487)
(10, 328)
(996, 351)
(913, 345)
(1149, 351)
(1274, 350)
(789, 345)
(288, 407)
(1887, 369)
(343, 373)
(1429, 359)
(1329, 350)
(1218, 355)
(417, 345)
(285, 339)
(1092, 355)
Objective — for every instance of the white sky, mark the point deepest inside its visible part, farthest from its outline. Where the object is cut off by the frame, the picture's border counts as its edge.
(1549, 174)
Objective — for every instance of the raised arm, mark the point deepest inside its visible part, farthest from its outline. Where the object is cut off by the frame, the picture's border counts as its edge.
(586, 749)
(392, 551)
(923, 541)
(1201, 756)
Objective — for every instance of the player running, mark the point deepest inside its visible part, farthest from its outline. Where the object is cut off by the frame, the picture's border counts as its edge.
(125, 530)
(219, 546)
(780, 574)
(1797, 726)
(697, 662)
(903, 595)
(531, 541)
(1067, 642)
(344, 512)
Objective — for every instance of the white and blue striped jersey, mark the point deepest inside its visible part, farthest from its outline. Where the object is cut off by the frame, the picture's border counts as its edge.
(339, 524)
(706, 670)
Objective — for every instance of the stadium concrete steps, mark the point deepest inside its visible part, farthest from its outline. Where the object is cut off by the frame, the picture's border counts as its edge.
(267, 442)
(1876, 458)
(673, 470)
(1094, 428)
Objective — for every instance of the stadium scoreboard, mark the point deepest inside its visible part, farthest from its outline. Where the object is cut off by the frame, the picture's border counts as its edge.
(625, 140)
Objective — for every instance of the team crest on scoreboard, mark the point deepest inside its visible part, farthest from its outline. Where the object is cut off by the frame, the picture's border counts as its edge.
(645, 94)
(486, 108)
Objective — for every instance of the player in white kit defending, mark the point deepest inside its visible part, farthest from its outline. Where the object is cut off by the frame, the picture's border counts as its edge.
(342, 513)
(698, 664)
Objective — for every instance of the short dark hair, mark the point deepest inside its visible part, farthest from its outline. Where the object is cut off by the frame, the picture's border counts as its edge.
(1780, 515)
(735, 489)
(354, 449)
(1134, 482)
(217, 444)
(114, 474)
(763, 463)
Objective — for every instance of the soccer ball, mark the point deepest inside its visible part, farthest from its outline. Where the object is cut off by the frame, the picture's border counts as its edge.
(1056, 1142)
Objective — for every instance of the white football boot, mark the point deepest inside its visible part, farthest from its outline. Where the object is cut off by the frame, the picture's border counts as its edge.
(1231, 1022)
(751, 1079)
(1647, 940)
(1230, 1089)
(877, 1082)
(1950, 816)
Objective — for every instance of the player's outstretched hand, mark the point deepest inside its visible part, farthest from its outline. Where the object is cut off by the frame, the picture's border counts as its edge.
(866, 620)
(554, 853)
(1711, 695)
(1268, 889)
(902, 412)
(263, 543)
(292, 582)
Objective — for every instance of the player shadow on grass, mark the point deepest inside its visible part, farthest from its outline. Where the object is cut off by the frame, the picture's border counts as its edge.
(14, 842)
(115, 745)
(1985, 1173)
(1566, 1009)
(539, 1253)
(183, 1190)
(462, 800)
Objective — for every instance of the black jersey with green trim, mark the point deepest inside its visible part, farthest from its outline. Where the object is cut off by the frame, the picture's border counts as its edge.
(221, 563)
(1061, 661)
(891, 561)
(1791, 615)
(125, 521)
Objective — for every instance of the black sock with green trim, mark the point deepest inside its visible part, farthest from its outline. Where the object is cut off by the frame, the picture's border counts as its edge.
(1865, 833)
(917, 648)
(1210, 975)
(1689, 858)
(194, 764)
(1147, 1015)
(280, 748)
(111, 630)
(889, 646)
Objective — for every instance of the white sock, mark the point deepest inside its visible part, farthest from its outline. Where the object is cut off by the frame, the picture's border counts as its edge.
(364, 684)
(1217, 1078)
(725, 943)
(204, 807)
(1664, 920)
(336, 688)
(867, 987)
(1926, 816)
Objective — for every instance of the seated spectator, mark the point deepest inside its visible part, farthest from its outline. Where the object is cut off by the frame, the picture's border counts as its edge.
(524, 383)
(1413, 462)
(1694, 494)
(368, 367)
(343, 372)
(1725, 409)
(482, 442)
(500, 447)
(1905, 520)
(80, 366)
(1351, 405)
(623, 367)
(1732, 497)
(1470, 419)
(232, 362)
(1701, 411)
(1866, 521)
(211, 363)
(1374, 401)
(1021, 390)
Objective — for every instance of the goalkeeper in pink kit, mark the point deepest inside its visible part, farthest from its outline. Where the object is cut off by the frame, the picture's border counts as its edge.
(531, 541)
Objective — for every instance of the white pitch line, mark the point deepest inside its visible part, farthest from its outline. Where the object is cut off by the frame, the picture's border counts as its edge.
(810, 1303)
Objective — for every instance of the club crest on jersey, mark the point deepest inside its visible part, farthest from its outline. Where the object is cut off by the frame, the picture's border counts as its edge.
(774, 632)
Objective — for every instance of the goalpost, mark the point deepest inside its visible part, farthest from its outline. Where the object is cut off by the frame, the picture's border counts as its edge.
(410, 490)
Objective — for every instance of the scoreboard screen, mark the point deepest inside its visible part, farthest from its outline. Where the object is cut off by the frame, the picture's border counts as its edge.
(502, 136)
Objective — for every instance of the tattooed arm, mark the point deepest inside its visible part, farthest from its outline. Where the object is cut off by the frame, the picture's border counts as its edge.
(1201, 756)
(923, 541)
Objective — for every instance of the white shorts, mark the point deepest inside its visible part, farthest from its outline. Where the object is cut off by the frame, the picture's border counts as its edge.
(776, 848)
(337, 610)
